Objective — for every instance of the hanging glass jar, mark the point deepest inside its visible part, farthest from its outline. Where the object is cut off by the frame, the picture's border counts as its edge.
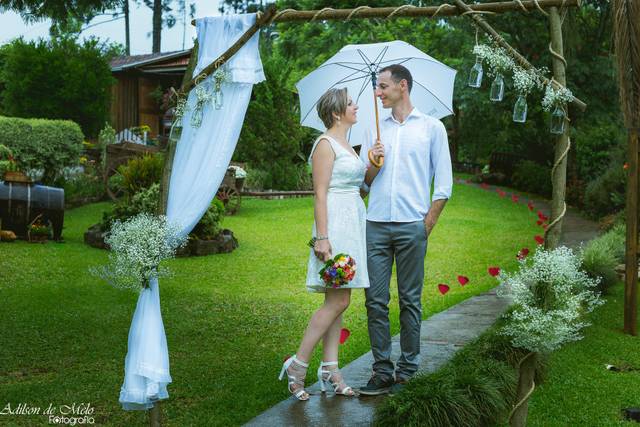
(497, 89)
(520, 110)
(475, 75)
(557, 121)
(218, 98)
(175, 133)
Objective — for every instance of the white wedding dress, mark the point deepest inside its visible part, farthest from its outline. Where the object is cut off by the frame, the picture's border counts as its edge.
(346, 217)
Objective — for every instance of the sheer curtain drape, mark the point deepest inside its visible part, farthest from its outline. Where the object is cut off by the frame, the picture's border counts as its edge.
(202, 156)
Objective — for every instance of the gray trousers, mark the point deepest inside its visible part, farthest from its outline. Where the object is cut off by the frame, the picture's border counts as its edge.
(407, 242)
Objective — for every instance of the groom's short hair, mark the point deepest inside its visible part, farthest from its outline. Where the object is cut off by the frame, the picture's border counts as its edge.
(398, 73)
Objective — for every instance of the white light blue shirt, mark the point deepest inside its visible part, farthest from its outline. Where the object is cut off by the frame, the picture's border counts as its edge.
(416, 153)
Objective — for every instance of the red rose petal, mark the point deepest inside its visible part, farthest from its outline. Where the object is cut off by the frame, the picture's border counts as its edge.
(443, 288)
(522, 254)
(539, 239)
(539, 222)
(530, 206)
(463, 280)
(344, 335)
(494, 271)
(540, 214)
(514, 197)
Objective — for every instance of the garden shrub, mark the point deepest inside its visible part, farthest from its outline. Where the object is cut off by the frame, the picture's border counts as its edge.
(601, 256)
(144, 201)
(141, 172)
(209, 225)
(42, 145)
(60, 78)
(606, 194)
(532, 177)
(594, 142)
(255, 179)
(84, 186)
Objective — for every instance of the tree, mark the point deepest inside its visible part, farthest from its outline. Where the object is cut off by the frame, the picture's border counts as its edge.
(163, 17)
(58, 79)
(57, 10)
(241, 6)
(272, 139)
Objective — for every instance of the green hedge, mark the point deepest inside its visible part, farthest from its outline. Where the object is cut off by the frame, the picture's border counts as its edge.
(40, 144)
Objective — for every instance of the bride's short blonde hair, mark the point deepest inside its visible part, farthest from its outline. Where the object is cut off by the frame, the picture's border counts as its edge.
(333, 101)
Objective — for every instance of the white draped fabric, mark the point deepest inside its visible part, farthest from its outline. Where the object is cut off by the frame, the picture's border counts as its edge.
(201, 159)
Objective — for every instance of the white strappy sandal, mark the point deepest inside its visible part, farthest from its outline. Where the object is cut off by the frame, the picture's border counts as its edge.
(326, 376)
(300, 393)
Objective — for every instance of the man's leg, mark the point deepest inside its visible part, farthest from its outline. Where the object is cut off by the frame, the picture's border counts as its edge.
(410, 241)
(379, 263)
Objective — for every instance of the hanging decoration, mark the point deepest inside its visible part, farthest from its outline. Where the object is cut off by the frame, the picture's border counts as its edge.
(524, 81)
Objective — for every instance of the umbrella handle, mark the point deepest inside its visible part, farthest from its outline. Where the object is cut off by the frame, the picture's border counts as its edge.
(372, 159)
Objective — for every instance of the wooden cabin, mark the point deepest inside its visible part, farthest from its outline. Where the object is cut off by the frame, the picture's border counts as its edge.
(141, 79)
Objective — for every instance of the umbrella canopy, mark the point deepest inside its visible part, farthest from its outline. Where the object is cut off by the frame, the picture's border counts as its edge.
(352, 67)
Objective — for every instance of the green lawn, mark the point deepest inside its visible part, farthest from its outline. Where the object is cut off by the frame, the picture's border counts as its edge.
(578, 390)
(230, 319)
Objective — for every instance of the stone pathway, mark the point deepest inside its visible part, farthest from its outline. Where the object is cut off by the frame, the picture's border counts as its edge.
(441, 336)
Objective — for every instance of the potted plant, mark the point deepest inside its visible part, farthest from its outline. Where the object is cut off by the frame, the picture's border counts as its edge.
(38, 232)
(9, 169)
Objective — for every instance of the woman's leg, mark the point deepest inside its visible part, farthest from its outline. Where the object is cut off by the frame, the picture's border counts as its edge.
(330, 344)
(335, 302)
(324, 319)
(331, 340)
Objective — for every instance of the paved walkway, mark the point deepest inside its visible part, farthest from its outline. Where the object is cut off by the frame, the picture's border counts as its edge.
(442, 335)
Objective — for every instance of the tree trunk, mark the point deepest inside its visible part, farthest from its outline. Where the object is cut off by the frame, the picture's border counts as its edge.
(526, 384)
(127, 29)
(631, 272)
(559, 178)
(157, 25)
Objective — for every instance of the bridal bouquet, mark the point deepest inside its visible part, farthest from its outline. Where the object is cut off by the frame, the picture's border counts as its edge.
(338, 271)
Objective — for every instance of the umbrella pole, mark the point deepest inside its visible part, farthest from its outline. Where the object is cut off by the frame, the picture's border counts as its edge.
(380, 160)
(375, 106)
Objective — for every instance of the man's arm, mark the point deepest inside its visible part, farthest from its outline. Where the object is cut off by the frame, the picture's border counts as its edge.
(443, 176)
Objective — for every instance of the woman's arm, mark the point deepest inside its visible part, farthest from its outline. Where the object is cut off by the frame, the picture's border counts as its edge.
(322, 167)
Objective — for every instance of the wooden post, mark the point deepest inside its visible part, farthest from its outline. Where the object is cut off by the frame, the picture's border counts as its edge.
(173, 140)
(559, 178)
(526, 385)
(155, 419)
(631, 271)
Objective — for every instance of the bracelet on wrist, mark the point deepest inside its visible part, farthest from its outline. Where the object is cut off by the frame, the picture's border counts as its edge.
(313, 240)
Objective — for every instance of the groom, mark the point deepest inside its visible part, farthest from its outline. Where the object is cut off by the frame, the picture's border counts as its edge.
(400, 217)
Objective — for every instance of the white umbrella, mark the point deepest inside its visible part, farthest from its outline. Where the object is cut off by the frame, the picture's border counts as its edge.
(355, 67)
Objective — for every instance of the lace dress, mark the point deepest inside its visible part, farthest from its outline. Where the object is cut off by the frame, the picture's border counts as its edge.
(346, 217)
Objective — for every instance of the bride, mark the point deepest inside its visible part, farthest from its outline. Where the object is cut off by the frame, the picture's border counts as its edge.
(340, 227)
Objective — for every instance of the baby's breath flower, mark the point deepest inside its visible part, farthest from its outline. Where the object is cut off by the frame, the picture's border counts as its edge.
(550, 295)
(556, 97)
(138, 245)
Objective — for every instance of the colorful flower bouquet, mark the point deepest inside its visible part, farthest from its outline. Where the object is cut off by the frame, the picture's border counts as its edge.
(338, 271)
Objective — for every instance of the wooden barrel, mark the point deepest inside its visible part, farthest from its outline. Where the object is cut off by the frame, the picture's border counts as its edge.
(21, 203)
